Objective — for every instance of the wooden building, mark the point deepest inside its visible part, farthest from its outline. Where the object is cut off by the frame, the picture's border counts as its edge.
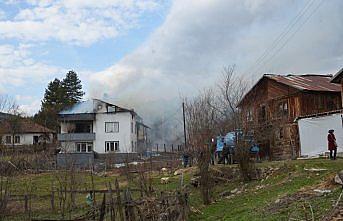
(338, 79)
(270, 108)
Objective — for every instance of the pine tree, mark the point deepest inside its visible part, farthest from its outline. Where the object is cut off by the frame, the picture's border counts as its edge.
(52, 103)
(54, 96)
(58, 96)
(73, 88)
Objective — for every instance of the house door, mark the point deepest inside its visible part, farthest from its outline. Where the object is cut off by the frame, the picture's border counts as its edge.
(35, 139)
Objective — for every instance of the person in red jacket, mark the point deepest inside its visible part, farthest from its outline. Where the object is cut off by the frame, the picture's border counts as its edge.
(332, 145)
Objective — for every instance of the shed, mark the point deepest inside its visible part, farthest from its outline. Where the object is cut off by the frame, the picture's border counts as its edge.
(313, 130)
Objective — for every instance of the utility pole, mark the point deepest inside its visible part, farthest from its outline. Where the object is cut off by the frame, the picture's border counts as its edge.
(184, 124)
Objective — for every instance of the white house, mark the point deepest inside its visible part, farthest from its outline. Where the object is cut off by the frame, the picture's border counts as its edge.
(17, 131)
(95, 125)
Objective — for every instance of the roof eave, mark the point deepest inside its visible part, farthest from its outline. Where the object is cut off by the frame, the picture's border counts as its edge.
(337, 78)
(246, 94)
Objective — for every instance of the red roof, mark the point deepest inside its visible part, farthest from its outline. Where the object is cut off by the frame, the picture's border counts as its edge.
(24, 126)
(309, 82)
(306, 82)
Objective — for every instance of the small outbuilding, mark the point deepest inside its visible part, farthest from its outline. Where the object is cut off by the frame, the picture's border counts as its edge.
(17, 131)
(313, 131)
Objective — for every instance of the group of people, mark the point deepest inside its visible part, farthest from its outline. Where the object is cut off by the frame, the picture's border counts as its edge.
(224, 155)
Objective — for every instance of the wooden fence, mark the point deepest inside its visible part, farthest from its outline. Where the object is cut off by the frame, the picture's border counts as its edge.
(114, 204)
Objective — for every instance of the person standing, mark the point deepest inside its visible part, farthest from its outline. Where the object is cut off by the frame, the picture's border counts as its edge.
(185, 157)
(219, 150)
(332, 145)
(90, 199)
(225, 153)
(213, 147)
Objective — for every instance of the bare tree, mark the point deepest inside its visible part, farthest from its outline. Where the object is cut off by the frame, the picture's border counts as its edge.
(202, 121)
(10, 116)
(7, 169)
(215, 112)
(8, 105)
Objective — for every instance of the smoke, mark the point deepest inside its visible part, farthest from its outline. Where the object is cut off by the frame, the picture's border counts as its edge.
(199, 37)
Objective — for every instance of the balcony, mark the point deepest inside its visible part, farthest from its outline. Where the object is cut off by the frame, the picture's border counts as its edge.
(76, 117)
(76, 137)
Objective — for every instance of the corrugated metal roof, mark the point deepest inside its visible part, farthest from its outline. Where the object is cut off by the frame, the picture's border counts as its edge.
(83, 107)
(90, 107)
(310, 82)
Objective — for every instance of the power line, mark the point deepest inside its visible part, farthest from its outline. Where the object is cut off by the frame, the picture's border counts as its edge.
(293, 23)
(286, 30)
(290, 37)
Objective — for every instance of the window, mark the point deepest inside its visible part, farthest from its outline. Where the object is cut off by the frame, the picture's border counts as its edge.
(111, 127)
(17, 139)
(249, 115)
(111, 146)
(132, 127)
(281, 133)
(263, 113)
(84, 147)
(283, 109)
(8, 139)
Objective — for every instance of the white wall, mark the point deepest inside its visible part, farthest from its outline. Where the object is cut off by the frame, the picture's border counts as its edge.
(125, 137)
(313, 133)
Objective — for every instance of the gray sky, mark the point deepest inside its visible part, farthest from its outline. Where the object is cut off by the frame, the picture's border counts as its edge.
(199, 37)
(146, 54)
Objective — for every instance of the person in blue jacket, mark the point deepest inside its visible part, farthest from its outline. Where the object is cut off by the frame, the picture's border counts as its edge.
(255, 150)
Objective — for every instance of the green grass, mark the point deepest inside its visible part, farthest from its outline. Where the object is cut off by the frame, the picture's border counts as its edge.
(252, 204)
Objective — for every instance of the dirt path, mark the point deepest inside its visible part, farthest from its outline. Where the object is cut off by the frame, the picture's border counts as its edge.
(337, 213)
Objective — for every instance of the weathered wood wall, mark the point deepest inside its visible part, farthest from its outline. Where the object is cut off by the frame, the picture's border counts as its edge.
(276, 130)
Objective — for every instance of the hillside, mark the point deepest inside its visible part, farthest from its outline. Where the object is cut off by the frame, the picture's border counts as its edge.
(293, 190)
(285, 190)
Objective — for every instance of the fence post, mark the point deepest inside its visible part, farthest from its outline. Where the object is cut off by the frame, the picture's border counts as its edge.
(120, 208)
(129, 208)
(26, 203)
(112, 211)
(52, 199)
